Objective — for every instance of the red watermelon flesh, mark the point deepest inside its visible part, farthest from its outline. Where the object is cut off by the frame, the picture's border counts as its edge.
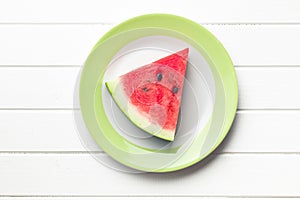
(150, 96)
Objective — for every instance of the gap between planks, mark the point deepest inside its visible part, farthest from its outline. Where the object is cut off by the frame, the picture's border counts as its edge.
(79, 66)
(239, 110)
(114, 24)
(101, 152)
(153, 196)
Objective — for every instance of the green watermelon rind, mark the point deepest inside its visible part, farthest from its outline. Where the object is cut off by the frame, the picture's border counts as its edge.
(115, 89)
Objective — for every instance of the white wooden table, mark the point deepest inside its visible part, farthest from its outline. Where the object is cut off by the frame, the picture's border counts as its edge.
(44, 43)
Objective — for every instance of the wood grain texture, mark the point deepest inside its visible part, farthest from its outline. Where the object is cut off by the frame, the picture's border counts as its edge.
(71, 44)
(93, 11)
(56, 131)
(232, 175)
(54, 87)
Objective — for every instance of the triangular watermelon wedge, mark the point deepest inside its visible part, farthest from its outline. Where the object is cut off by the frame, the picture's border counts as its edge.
(150, 96)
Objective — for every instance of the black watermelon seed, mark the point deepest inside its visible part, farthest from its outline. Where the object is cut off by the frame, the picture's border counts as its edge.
(145, 89)
(159, 77)
(175, 89)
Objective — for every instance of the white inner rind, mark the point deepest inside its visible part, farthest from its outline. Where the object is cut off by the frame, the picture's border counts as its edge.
(140, 119)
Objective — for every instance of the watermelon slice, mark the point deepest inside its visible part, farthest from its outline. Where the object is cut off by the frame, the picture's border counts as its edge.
(150, 96)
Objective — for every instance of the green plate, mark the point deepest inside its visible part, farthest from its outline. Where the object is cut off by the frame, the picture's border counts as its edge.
(129, 37)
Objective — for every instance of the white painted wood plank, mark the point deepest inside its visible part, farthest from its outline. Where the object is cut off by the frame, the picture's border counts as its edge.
(37, 87)
(39, 130)
(56, 131)
(268, 88)
(115, 198)
(92, 11)
(53, 87)
(141, 197)
(234, 175)
(70, 44)
(121, 198)
(264, 131)
(47, 45)
(260, 45)
(124, 198)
